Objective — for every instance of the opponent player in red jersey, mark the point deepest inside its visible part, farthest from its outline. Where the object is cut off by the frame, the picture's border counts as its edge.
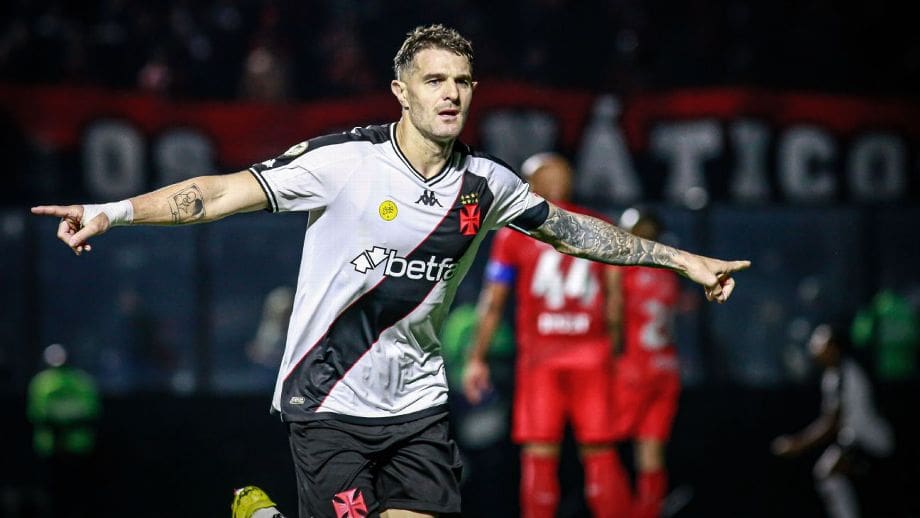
(564, 358)
(647, 382)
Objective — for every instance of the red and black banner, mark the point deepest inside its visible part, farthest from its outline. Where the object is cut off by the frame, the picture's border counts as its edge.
(687, 147)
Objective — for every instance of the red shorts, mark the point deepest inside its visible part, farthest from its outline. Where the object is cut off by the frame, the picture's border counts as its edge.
(577, 388)
(645, 401)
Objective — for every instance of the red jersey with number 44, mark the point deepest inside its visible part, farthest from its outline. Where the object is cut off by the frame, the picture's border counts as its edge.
(649, 300)
(559, 297)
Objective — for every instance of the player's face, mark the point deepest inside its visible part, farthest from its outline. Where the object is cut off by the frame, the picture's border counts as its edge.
(436, 93)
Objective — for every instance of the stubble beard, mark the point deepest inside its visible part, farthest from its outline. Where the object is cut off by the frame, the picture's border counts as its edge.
(436, 132)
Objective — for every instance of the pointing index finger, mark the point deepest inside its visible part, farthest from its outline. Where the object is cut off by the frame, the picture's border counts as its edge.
(50, 210)
(735, 266)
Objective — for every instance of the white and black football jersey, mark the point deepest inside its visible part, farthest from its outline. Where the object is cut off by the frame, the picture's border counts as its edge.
(384, 252)
(846, 390)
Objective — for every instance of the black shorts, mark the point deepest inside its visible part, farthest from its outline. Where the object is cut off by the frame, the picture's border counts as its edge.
(346, 469)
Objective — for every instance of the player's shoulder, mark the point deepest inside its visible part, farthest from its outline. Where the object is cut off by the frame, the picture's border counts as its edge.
(344, 141)
(484, 164)
(336, 147)
(375, 134)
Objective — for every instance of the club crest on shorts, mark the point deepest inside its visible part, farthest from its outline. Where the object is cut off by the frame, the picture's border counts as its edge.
(349, 504)
(469, 214)
(388, 210)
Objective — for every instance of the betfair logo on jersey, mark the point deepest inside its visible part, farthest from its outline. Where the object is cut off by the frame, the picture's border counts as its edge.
(433, 269)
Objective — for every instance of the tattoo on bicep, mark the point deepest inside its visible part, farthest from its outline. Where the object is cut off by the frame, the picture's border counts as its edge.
(590, 237)
(187, 205)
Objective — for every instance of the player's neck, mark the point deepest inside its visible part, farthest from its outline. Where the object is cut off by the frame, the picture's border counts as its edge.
(427, 156)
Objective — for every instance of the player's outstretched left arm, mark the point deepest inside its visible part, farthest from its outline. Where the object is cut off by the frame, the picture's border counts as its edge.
(595, 239)
(197, 200)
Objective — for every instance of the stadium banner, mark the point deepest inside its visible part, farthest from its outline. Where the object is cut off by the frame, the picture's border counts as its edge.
(686, 147)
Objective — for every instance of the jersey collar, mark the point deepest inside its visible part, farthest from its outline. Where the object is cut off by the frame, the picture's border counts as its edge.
(450, 164)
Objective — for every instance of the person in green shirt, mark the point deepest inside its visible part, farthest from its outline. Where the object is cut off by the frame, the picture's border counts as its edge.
(888, 330)
(63, 406)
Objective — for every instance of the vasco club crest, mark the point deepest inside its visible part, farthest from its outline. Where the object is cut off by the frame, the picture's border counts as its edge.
(469, 214)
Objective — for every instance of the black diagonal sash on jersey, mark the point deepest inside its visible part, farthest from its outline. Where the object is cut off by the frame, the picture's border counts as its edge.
(360, 325)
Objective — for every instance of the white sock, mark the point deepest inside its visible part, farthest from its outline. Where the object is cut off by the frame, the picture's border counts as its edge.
(839, 497)
(268, 512)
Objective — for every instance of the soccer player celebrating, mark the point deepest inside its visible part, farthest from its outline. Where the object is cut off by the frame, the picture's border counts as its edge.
(397, 213)
(564, 356)
(647, 382)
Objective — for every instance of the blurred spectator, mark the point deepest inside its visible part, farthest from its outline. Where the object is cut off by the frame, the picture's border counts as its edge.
(156, 76)
(889, 331)
(326, 48)
(267, 346)
(265, 76)
(152, 358)
(63, 406)
(266, 69)
(346, 66)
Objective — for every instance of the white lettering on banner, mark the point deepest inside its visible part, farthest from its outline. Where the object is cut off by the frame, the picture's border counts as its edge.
(686, 146)
(805, 160)
(605, 168)
(114, 157)
(805, 163)
(750, 144)
(515, 135)
(563, 323)
(181, 154)
(113, 160)
(876, 168)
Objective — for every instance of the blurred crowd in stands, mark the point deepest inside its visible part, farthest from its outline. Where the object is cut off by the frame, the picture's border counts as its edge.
(282, 50)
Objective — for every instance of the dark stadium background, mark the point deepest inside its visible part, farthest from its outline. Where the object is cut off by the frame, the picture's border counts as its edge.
(783, 132)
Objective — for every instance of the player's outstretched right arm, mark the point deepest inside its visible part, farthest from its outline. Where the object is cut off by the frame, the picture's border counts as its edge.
(585, 236)
(197, 200)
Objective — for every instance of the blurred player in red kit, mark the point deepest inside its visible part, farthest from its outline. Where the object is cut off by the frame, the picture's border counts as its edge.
(647, 382)
(565, 356)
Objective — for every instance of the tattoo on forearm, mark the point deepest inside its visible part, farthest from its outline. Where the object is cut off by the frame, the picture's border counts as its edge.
(592, 238)
(187, 205)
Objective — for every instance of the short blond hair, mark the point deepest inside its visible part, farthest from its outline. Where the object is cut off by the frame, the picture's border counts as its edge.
(431, 36)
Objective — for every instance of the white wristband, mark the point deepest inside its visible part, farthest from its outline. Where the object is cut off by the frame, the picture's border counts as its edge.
(119, 212)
